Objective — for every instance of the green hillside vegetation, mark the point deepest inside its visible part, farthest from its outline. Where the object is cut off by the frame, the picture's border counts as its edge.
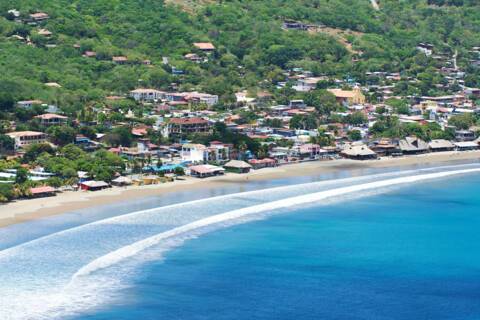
(251, 44)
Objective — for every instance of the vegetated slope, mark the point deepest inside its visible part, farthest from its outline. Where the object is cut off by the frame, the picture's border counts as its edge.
(251, 45)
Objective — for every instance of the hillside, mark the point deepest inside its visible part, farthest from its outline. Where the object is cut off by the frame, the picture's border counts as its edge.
(251, 44)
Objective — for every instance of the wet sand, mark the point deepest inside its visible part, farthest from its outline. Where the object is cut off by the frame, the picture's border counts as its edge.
(25, 210)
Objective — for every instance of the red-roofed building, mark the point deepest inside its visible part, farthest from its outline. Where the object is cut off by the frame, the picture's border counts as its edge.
(204, 46)
(139, 132)
(44, 191)
(178, 126)
(39, 16)
(51, 119)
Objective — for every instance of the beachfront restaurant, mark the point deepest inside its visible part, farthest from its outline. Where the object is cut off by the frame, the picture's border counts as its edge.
(206, 170)
(44, 191)
(262, 163)
(92, 185)
(122, 181)
(358, 152)
(466, 145)
(237, 166)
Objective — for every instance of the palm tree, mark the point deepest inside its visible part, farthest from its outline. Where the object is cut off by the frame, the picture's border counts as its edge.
(242, 146)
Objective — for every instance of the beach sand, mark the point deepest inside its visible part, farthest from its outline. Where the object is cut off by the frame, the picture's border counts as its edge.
(25, 210)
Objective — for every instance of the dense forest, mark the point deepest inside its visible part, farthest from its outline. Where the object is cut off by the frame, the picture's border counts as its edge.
(252, 48)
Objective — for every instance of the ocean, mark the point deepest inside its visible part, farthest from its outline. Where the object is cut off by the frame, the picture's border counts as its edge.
(392, 245)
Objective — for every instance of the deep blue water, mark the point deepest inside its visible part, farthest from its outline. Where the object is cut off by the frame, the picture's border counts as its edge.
(411, 253)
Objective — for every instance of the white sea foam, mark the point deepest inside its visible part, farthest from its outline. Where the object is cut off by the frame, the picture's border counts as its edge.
(83, 282)
(133, 249)
(307, 187)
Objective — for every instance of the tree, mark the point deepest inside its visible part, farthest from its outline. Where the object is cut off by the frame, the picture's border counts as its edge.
(323, 139)
(179, 171)
(274, 123)
(21, 176)
(305, 122)
(7, 101)
(356, 118)
(120, 136)
(35, 150)
(354, 135)
(462, 121)
(7, 144)
(62, 135)
(6, 192)
(323, 101)
(72, 152)
(399, 105)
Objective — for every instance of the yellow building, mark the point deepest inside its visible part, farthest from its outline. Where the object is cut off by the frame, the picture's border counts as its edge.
(350, 97)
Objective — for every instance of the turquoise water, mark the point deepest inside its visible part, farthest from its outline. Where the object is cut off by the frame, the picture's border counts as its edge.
(354, 245)
(410, 253)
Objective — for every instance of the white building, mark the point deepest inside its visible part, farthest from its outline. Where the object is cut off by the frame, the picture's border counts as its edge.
(194, 153)
(26, 138)
(147, 94)
(307, 84)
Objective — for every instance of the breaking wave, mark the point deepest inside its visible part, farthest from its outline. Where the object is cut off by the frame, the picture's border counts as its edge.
(71, 270)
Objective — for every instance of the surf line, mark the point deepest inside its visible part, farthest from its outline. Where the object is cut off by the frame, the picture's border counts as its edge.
(123, 253)
(123, 217)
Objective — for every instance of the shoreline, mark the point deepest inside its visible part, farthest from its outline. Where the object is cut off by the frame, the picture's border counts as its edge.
(31, 209)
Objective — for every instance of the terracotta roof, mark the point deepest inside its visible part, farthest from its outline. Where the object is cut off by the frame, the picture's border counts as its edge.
(39, 15)
(204, 45)
(188, 121)
(47, 116)
(40, 190)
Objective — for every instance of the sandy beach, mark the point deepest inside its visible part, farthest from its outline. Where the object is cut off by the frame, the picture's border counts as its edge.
(24, 210)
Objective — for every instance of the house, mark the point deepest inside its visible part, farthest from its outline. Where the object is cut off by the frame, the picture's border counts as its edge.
(237, 166)
(262, 163)
(122, 181)
(26, 138)
(307, 84)
(206, 170)
(147, 94)
(438, 145)
(120, 59)
(39, 16)
(201, 98)
(413, 145)
(306, 151)
(296, 104)
(193, 57)
(206, 47)
(85, 143)
(44, 191)
(294, 25)
(193, 153)
(51, 119)
(464, 135)
(358, 152)
(28, 104)
(92, 185)
(466, 145)
(218, 152)
(90, 54)
(179, 126)
(44, 32)
(426, 48)
(385, 147)
(349, 97)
